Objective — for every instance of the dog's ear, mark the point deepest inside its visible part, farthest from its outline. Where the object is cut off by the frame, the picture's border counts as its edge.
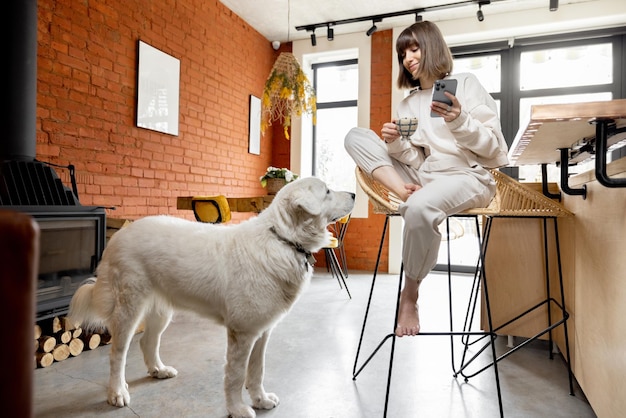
(307, 202)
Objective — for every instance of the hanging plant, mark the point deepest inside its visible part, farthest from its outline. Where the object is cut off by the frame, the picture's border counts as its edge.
(287, 92)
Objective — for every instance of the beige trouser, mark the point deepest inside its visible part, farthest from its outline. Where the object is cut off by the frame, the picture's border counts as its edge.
(449, 186)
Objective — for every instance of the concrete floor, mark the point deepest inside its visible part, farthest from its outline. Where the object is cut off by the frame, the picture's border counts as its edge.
(309, 366)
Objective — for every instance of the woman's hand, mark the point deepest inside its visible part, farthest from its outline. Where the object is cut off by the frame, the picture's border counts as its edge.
(389, 132)
(448, 113)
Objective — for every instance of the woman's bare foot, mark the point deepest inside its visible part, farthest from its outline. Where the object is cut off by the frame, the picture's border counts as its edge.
(389, 177)
(408, 313)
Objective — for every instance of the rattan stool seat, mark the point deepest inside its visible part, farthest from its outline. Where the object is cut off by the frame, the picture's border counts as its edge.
(512, 198)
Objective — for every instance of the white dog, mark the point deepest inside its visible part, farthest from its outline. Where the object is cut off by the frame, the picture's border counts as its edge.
(246, 276)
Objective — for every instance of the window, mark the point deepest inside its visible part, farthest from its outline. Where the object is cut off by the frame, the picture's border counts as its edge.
(488, 70)
(337, 87)
(566, 67)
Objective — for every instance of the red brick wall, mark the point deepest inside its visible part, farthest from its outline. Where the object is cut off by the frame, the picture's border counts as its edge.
(86, 102)
(383, 54)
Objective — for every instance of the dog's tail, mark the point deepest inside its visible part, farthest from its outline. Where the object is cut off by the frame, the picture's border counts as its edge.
(82, 312)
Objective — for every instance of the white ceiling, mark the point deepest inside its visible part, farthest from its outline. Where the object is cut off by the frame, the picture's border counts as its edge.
(277, 19)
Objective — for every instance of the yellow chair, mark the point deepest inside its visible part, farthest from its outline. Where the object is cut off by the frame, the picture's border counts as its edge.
(211, 209)
(338, 269)
(512, 199)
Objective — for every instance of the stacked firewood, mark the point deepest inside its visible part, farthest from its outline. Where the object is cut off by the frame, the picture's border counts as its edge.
(56, 340)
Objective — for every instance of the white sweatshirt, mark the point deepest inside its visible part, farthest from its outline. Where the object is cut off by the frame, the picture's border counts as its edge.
(475, 134)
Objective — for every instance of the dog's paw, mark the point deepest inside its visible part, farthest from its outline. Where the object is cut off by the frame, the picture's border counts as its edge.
(267, 401)
(241, 411)
(164, 372)
(119, 397)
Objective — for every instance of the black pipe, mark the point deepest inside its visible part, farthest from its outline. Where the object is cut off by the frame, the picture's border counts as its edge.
(20, 52)
(601, 150)
(544, 184)
(565, 176)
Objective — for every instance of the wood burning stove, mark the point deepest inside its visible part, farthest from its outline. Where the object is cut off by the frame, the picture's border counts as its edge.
(72, 236)
(71, 243)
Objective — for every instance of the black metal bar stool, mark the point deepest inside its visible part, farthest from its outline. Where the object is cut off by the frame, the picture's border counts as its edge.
(511, 200)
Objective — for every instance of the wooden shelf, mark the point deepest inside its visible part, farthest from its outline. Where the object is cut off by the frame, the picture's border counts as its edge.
(236, 204)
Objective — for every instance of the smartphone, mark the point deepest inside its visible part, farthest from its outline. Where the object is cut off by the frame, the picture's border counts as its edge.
(439, 88)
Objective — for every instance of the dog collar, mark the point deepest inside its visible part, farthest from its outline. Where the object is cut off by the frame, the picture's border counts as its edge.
(309, 260)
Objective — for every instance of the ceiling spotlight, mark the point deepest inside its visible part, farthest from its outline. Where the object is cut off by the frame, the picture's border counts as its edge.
(331, 33)
(371, 30)
(313, 39)
(554, 5)
(479, 14)
(418, 17)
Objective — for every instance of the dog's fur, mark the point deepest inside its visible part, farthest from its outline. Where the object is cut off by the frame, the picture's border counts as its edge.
(246, 276)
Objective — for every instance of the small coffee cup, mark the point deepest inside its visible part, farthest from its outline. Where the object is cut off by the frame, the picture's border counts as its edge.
(406, 126)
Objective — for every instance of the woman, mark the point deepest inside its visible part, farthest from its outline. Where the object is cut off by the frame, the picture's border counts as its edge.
(442, 169)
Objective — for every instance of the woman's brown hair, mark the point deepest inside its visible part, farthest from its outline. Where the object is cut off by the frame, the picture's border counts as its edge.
(436, 59)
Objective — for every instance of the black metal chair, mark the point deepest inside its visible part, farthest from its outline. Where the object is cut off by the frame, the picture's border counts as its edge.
(338, 269)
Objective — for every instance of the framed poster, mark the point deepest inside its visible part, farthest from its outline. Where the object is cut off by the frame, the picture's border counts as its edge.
(254, 133)
(157, 90)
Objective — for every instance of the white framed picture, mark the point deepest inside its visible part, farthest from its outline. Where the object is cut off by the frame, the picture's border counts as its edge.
(157, 90)
(254, 144)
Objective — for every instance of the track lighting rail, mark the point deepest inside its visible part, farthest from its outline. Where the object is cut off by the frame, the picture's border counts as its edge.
(379, 17)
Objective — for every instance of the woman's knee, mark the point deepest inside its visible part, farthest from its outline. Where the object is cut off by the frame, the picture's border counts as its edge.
(357, 137)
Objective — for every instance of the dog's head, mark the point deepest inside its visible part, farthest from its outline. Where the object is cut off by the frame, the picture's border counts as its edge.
(304, 208)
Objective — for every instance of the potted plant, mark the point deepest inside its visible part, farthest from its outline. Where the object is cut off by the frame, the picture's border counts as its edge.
(275, 178)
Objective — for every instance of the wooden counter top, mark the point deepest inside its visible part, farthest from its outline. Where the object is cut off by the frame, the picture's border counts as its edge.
(555, 126)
